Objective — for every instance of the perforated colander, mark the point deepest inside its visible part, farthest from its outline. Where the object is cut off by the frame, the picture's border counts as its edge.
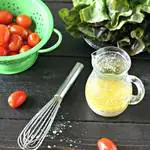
(43, 24)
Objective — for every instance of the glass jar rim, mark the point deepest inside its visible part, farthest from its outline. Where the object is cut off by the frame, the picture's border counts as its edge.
(113, 50)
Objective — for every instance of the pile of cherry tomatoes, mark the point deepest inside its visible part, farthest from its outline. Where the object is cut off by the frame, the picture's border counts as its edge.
(15, 34)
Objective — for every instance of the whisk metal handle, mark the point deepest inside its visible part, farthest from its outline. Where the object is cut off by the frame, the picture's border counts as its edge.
(69, 80)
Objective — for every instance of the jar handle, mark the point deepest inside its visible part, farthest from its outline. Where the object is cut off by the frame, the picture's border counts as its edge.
(140, 88)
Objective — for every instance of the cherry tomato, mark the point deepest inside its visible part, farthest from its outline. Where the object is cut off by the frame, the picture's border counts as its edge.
(16, 29)
(4, 34)
(5, 45)
(11, 25)
(12, 53)
(3, 51)
(24, 48)
(33, 39)
(29, 31)
(24, 21)
(17, 98)
(5, 17)
(15, 42)
(106, 144)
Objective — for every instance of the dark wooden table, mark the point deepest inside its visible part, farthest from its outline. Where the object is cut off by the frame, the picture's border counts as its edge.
(76, 126)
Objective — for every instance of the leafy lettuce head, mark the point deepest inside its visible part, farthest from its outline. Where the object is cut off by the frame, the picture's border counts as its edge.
(121, 22)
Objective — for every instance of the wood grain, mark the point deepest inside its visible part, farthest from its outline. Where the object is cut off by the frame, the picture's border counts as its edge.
(81, 135)
(131, 130)
(44, 78)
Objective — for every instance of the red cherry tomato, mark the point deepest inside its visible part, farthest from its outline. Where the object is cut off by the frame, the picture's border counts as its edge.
(5, 17)
(11, 25)
(17, 98)
(24, 48)
(3, 51)
(106, 144)
(16, 29)
(24, 21)
(33, 39)
(5, 45)
(4, 34)
(12, 53)
(29, 31)
(15, 42)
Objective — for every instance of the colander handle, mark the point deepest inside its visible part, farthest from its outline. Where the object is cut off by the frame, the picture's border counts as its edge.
(55, 45)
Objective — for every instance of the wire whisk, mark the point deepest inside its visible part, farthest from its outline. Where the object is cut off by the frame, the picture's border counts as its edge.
(38, 127)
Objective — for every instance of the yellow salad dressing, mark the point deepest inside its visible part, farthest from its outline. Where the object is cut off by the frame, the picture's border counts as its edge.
(108, 97)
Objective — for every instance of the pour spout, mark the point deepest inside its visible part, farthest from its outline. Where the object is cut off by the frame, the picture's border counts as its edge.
(94, 57)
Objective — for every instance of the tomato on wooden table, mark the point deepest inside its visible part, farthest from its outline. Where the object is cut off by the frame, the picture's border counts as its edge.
(17, 98)
(15, 42)
(106, 144)
(33, 39)
(6, 17)
(16, 29)
(4, 34)
(3, 51)
(24, 21)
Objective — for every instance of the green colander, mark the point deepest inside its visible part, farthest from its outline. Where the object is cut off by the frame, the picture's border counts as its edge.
(43, 24)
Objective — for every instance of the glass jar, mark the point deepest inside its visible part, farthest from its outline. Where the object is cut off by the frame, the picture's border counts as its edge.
(109, 87)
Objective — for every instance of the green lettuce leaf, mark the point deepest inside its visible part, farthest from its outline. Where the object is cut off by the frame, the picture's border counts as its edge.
(125, 44)
(96, 12)
(132, 14)
(87, 31)
(138, 46)
(81, 2)
(124, 23)
(72, 21)
(136, 17)
(146, 6)
(116, 10)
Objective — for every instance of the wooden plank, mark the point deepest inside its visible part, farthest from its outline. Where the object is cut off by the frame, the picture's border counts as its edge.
(70, 46)
(45, 77)
(80, 135)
